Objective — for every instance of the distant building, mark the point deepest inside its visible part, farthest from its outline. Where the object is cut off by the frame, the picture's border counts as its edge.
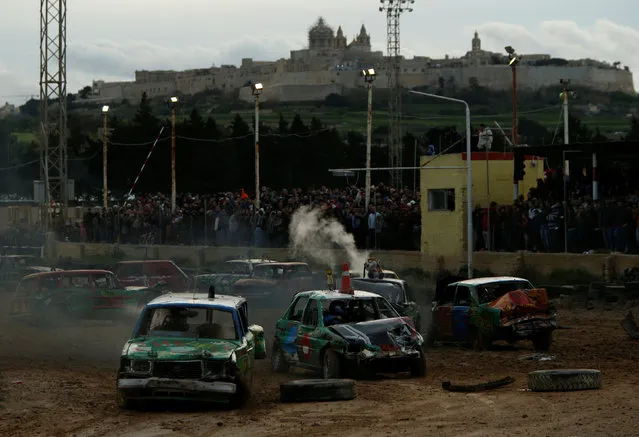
(330, 65)
(8, 109)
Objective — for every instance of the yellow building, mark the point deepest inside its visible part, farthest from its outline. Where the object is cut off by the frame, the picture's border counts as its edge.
(443, 193)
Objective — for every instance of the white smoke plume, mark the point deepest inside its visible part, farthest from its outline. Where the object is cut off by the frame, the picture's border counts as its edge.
(313, 236)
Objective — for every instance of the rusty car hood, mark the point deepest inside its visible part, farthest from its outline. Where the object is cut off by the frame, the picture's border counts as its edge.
(521, 303)
(178, 349)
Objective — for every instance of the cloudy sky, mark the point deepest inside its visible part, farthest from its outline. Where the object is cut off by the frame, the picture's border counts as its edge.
(111, 39)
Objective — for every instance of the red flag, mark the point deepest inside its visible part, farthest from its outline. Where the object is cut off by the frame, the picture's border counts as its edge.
(244, 195)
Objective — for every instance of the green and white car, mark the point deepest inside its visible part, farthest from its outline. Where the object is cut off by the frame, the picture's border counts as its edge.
(190, 347)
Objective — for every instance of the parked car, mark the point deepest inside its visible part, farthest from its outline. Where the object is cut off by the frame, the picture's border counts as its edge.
(483, 310)
(43, 298)
(190, 347)
(346, 333)
(396, 291)
(148, 273)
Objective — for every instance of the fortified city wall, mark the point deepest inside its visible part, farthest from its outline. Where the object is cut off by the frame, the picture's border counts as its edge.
(332, 65)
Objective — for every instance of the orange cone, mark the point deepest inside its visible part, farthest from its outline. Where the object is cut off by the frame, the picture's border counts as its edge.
(346, 287)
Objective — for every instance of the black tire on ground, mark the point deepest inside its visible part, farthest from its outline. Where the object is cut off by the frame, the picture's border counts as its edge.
(278, 362)
(418, 365)
(542, 341)
(318, 390)
(564, 380)
(331, 365)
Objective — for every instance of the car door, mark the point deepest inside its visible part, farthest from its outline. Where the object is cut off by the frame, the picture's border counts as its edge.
(443, 314)
(286, 328)
(461, 312)
(308, 344)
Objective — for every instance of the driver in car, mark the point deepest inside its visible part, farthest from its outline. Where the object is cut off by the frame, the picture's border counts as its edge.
(336, 313)
(175, 321)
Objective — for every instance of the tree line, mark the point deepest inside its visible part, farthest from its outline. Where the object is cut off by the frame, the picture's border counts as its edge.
(211, 157)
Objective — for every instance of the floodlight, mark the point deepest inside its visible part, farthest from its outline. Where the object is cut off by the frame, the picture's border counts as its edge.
(174, 99)
(105, 109)
(371, 72)
(257, 88)
(510, 50)
(514, 60)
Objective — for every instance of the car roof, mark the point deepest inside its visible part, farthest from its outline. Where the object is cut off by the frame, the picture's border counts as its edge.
(67, 273)
(220, 300)
(489, 280)
(252, 261)
(148, 261)
(381, 280)
(335, 294)
(288, 263)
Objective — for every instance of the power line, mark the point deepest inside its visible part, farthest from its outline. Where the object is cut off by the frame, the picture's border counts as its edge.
(532, 111)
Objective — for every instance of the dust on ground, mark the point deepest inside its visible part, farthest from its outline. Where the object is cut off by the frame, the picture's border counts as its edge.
(62, 383)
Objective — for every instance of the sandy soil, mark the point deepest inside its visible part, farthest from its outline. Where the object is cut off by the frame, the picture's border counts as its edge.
(61, 383)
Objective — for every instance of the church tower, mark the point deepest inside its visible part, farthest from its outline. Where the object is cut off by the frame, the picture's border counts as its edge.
(340, 39)
(476, 43)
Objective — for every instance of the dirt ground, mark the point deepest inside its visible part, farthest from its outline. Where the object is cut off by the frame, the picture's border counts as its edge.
(61, 383)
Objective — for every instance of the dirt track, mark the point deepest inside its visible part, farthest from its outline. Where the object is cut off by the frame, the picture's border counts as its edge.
(61, 383)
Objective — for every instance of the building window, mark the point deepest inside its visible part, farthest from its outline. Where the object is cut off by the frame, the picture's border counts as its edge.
(441, 199)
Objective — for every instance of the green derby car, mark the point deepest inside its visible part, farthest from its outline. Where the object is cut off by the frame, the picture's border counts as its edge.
(190, 347)
(346, 334)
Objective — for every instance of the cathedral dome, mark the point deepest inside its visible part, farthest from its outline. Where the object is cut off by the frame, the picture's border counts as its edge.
(321, 30)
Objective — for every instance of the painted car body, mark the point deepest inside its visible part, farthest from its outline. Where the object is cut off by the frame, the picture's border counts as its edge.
(76, 294)
(491, 309)
(149, 273)
(386, 343)
(209, 356)
(397, 292)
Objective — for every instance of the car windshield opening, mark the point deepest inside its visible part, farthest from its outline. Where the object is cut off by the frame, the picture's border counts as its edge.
(188, 322)
(340, 311)
(392, 292)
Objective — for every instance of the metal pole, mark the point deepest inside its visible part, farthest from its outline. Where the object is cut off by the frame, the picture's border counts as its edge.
(105, 201)
(469, 197)
(173, 187)
(565, 208)
(206, 226)
(595, 178)
(566, 168)
(415, 171)
(257, 152)
(515, 183)
(369, 134)
(489, 242)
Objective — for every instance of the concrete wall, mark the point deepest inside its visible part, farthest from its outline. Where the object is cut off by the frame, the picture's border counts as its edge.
(497, 263)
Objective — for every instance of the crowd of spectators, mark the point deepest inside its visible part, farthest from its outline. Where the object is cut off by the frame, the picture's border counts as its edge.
(392, 221)
(544, 222)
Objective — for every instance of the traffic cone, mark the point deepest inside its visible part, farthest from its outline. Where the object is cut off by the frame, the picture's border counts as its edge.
(346, 287)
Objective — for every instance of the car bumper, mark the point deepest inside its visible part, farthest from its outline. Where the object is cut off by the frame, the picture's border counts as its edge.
(527, 327)
(165, 388)
(381, 362)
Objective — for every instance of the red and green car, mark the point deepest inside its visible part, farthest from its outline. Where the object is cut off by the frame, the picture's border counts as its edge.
(484, 310)
(346, 334)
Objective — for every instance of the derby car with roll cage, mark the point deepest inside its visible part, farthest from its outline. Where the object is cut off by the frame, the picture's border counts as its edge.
(187, 346)
(483, 310)
(346, 332)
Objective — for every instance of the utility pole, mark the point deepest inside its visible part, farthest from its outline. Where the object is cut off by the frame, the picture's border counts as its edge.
(369, 77)
(105, 191)
(173, 103)
(513, 60)
(53, 104)
(393, 9)
(565, 93)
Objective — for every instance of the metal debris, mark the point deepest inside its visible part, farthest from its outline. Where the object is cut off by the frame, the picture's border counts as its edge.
(537, 357)
(447, 385)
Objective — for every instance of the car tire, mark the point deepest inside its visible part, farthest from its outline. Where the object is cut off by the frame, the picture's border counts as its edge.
(564, 380)
(278, 361)
(542, 341)
(331, 366)
(318, 390)
(418, 365)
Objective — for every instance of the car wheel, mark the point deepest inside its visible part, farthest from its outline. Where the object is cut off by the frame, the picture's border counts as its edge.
(542, 341)
(418, 365)
(278, 361)
(330, 365)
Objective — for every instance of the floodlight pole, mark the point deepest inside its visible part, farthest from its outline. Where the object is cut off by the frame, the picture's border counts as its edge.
(257, 90)
(105, 200)
(173, 138)
(469, 181)
(369, 77)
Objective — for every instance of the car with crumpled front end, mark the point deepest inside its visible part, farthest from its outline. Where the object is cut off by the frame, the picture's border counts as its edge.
(369, 336)
(187, 346)
(481, 311)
